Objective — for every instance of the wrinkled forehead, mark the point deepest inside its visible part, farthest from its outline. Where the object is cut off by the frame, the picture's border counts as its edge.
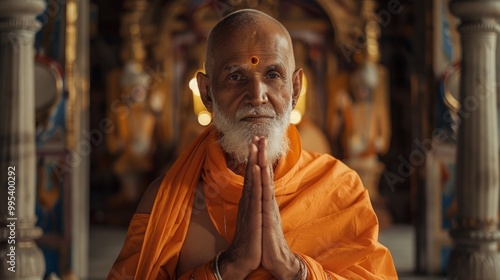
(257, 45)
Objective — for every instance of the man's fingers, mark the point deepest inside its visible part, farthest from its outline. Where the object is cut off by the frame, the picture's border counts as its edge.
(248, 180)
(252, 160)
(262, 157)
(256, 192)
(273, 240)
(246, 245)
(266, 172)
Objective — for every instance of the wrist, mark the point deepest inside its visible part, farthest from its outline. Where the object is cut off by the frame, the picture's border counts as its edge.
(292, 268)
(229, 268)
(302, 273)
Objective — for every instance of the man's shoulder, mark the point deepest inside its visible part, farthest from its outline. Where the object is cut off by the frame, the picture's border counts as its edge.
(326, 162)
(330, 170)
(323, 176)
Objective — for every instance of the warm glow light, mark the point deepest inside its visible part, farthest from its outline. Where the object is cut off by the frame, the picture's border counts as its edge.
(193, 85)
(204, 118)
(295, 116)
(198, 105)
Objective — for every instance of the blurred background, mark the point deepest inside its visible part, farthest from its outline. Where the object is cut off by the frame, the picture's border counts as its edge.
(116, 103)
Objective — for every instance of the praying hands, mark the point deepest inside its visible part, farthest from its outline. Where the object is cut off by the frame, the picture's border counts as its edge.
(259, 238)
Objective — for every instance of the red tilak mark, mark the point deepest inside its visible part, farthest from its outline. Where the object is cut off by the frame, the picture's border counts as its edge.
(254, 60)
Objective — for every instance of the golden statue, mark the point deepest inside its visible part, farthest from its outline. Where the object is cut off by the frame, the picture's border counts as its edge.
(368, 131)
(132, 141)
(367, 124)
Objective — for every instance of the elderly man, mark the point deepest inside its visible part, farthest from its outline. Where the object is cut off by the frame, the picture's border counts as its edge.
(244, 200)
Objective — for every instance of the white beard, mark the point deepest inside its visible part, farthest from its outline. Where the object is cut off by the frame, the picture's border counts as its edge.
(236, 136)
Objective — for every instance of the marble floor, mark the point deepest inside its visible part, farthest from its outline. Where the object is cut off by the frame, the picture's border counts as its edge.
(106, 242)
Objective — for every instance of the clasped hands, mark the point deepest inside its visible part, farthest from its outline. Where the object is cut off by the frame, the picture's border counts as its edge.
(259, 238)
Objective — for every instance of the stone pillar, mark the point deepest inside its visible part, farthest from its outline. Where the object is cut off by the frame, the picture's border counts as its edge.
(476, 234)
(77, 126)
(17, 141)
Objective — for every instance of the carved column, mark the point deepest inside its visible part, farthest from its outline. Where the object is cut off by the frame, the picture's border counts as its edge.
(17, 141)
(475, 253)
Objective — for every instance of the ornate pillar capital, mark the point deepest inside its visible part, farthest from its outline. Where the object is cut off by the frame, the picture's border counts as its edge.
(20, 14)
(19, 23)
(471, 27)
(475, 9)
(20, 8)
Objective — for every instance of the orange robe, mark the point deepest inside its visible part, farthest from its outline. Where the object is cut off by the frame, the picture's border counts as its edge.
(327, 217)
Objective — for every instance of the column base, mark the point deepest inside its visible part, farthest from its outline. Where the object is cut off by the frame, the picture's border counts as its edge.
(474, 265)
(25, 262)
(475, 255)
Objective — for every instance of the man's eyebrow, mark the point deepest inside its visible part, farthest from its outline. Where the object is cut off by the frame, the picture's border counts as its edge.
(276, 66)
(232, 68)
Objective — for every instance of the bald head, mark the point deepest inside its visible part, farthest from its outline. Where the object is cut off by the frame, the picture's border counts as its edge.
(244, 21)
(251, 84)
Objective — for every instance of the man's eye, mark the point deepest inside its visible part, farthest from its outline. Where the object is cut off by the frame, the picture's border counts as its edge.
(235, 77)
(273, 75)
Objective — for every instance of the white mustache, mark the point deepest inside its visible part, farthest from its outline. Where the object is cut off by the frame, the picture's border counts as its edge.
(255, 111)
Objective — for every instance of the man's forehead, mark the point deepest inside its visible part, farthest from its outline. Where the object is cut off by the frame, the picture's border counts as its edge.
(271, 50)
(257, 36)
(239, 42)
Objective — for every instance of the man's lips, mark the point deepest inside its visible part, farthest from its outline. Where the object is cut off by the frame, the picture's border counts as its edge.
(256, 119)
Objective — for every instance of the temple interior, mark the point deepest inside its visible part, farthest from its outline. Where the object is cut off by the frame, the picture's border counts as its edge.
(404, 92)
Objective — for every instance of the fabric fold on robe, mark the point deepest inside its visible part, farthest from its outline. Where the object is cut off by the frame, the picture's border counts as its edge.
(326, 214)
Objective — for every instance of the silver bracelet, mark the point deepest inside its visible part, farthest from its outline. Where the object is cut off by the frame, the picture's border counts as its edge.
(215, 266)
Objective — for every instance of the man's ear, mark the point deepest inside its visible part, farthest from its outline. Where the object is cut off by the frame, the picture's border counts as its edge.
(204, 88)
(297, 85)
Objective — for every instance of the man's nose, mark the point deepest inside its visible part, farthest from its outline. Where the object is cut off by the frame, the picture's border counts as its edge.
(257, 93)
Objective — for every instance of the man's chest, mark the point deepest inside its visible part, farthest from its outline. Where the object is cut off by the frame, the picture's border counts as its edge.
(202, 240)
